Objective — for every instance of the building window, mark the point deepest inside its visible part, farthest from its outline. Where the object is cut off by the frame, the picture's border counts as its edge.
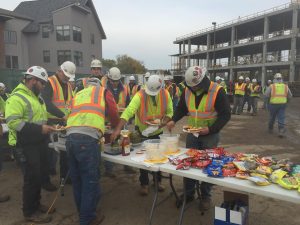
(92, 39)
(10, 37)
(76, 34)
(63, 55)
(45, 31)
(46, 56)
(11, 62)
(78, 58)
(63, 33)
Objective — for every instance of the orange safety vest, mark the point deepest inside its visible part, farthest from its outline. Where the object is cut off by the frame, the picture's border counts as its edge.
(122, 97)
(239, 89)
(58, 96)
(204, 114)
(144, 113)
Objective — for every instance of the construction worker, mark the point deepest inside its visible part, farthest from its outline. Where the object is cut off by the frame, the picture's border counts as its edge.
(72, 83)
(172, 89)
(85, 127)
(58, 94)
(247, 95)
(266, 99)
(220, 81)
(96, 71)
(254, 96)
(26, 115)
(150, 103)
(208, 107)
(239, 92)
(278, 94)
(133, 88)
(181, 87)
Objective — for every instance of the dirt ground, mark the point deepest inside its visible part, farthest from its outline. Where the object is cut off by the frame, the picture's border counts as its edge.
(122, 205)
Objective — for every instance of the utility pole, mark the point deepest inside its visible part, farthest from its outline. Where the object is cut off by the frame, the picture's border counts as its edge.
(214, 49)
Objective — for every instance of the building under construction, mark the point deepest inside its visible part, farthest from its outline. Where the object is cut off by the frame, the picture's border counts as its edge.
(257, 45)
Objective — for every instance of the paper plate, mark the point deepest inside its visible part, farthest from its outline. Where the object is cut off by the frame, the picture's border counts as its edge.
(161, 161)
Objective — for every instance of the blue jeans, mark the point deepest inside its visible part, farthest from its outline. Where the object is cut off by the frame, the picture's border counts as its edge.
(202, 142)
(84, 158)
(277, 110)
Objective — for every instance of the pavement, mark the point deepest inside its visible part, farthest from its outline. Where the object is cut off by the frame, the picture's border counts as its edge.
(122, 205)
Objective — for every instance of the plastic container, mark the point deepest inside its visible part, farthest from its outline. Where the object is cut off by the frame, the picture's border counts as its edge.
(153, 149)
(169, 143)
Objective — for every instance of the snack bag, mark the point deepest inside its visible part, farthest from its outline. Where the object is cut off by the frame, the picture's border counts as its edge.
(277, 174)
(264, 170)
(259, 181)
(258, 175)
(288, 183)
(242, 175)
(240, 165)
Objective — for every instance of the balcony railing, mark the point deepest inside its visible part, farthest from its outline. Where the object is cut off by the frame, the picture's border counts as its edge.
(235, 21)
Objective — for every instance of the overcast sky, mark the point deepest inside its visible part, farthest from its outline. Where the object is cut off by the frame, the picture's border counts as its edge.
(146, 29)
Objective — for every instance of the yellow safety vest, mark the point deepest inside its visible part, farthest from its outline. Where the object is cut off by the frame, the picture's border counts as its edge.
(254, 90)
(205, 115)
(239, 89)
(58, 96)
(279, 93)
(88, 109)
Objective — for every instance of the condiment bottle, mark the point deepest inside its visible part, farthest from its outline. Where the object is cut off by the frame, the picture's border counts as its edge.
(125, 145)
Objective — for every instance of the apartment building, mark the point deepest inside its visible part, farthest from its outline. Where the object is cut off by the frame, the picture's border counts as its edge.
(49, 32)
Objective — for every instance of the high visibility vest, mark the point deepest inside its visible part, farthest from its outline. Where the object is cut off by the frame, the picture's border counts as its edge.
(58, 96)
(33, 111)
(205, 115)
(173, 90)
(88, 109)
(133, 90)
(239, 89)
(224, 86)
(2, 105)
(147, 111)
(122, 98)
(279, 93)
(254, 90)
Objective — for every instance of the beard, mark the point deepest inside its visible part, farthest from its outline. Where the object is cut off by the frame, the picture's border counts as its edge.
(36, 90)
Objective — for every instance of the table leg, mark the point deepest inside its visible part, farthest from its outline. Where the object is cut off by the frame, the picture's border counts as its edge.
(172, 187)
(155, 196)
(183, 204)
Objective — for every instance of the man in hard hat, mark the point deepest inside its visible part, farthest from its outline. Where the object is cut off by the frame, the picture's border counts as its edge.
(255, 89)
(239, 92)
(96, 71)
(132, 87)
(26, 115)
(207, 107)
(247, 98)
(278, 94)
(266, 99)
(57, 96)
(173, 90)
(3, 98)
(85, 128)
(150, 103)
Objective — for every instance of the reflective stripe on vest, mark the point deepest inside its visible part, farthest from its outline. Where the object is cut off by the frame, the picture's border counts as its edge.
(279, 93)
(122, 97)
(144, 112)
(58, 96)
(89, 112)
(239, 89)
(205, 114)
(254, 90)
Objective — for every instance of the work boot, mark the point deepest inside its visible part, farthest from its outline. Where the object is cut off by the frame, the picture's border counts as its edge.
(281, 133)
(44, 209)
(161, 188)
(144, 190)
(39, 219)
(4, 198)
(129, 170)
(98, 220)
(205, 204)
(49, 187)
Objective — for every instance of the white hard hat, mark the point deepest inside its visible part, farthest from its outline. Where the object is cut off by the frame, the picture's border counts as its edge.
(254, 80)
(132, 78)
(38, 72)
(2, 86)
(93, 81)
(194, 75)
(153, 85)
(72, 79)
(269, 81)
(247, 79)
(168, 77)
(114, 73)
(96, 63)
(147, 75)
(278, 76)
(241, 78)
(68, 68)
(218, 78)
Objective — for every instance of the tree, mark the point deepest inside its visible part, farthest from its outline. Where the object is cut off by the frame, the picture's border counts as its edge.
(129, 65)
(108, 63)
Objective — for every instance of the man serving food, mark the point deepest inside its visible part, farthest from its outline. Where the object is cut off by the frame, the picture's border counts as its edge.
(208, 111)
